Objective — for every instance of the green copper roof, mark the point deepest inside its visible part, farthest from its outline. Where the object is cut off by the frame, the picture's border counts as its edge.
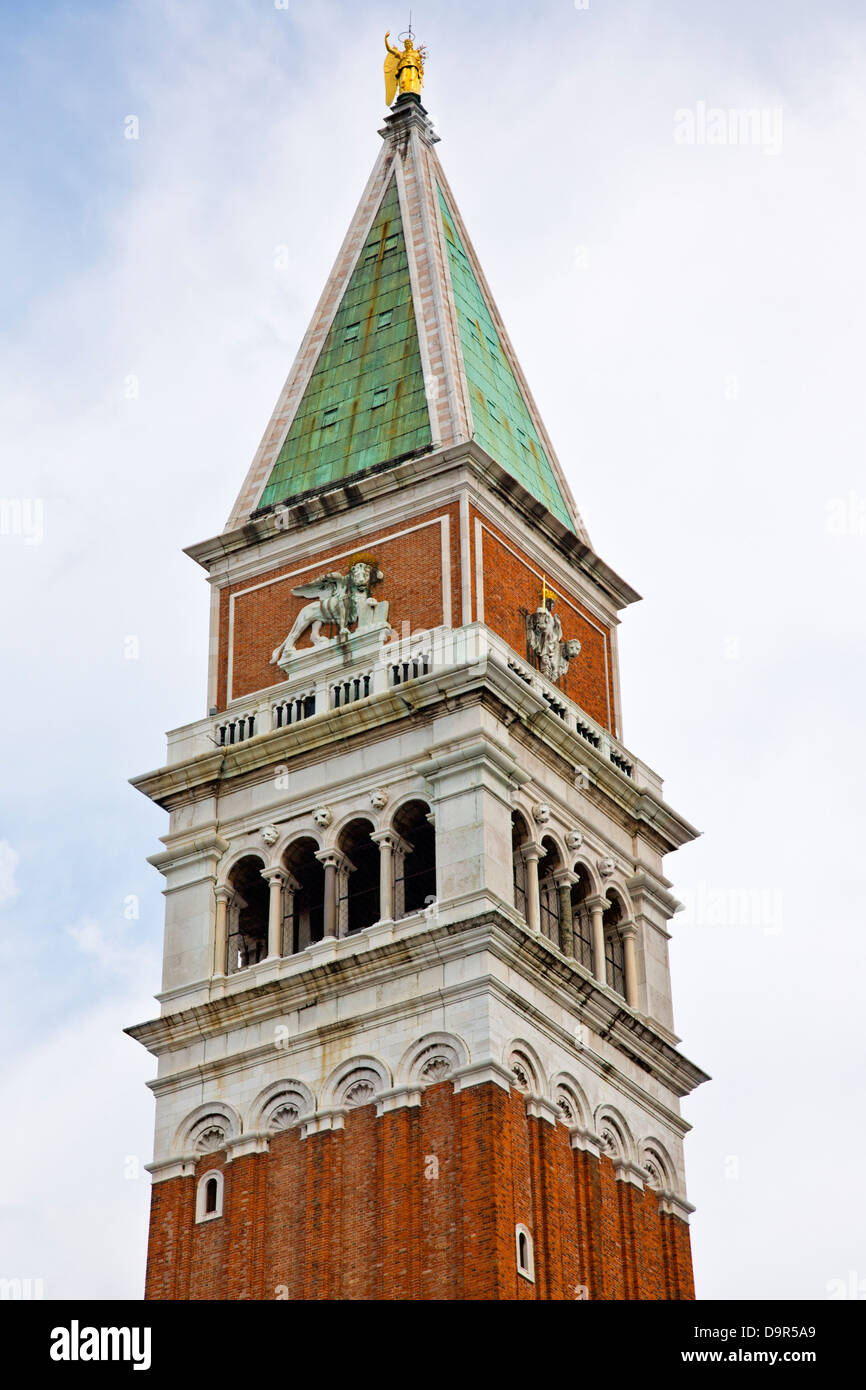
(502, 423)
(365, 402)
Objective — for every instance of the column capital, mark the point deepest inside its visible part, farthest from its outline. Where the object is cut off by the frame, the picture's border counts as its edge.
(597, 902)
(334, 858)
(627, 930)
(564, 878)
(392, 840)
(223, 893)
(532, 851)
(277, 874)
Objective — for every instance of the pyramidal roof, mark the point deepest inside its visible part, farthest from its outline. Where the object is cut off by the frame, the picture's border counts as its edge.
(406, 351)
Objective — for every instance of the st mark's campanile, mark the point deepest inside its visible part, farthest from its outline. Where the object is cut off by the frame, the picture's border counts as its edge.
(415, 1037)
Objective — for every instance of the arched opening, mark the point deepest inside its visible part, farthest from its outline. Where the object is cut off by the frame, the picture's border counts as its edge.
(582, 917)
(304, 915)
(519, 837)
(614, 949)
(548, 891)
(359, 878)
(525, 1253)
(415, 867)
(248, 915)
(209, 1195)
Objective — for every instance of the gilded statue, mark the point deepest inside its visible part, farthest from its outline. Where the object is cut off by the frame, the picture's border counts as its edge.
(404, 68)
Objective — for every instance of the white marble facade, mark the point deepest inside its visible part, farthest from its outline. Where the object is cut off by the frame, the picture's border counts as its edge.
(468, 970)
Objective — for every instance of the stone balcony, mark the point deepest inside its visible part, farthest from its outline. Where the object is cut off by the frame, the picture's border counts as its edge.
(334, 676)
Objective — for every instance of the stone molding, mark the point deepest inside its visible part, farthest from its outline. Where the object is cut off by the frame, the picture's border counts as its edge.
(540, 1108)
(480, 1072)
(510, 940)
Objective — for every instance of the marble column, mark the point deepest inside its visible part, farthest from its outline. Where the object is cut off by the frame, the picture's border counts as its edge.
(331, 859)
(223, 897)
(598, 906)
(628, 932)
(564, 879)
(276, 879)
(531, 855)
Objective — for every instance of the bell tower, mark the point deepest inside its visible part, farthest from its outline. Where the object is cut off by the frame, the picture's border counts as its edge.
(415, 1037)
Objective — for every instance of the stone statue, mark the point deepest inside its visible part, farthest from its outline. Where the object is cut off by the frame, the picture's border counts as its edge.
(338, 599)
(404, 68)
(544, 639)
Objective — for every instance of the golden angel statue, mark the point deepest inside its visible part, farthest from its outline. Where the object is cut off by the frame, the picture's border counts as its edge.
(404, 68)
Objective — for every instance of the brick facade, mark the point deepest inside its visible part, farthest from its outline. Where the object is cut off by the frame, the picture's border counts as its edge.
(264, 608)
(512, 585)
(256, 614)
(420, 1203)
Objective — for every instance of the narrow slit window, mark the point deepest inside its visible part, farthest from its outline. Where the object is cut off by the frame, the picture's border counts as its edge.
(329, 418)
(391, 243)
(491, 409)
(352, 332)
(384, 319)
(525, 1254)
(209, 1197)
(380, 397)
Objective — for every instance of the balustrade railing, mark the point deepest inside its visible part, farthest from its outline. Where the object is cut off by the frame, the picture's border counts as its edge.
(395, 664)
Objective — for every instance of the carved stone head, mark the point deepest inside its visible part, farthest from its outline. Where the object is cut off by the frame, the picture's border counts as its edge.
(379, 798)
(362, 575)
(323, 815)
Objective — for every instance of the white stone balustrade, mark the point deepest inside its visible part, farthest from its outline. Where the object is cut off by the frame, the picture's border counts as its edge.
(324, 681)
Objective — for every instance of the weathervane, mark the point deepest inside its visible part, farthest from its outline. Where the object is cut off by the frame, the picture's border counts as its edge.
(404, 67)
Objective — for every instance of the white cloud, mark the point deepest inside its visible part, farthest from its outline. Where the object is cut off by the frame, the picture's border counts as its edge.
(8, 864)
(114, 947)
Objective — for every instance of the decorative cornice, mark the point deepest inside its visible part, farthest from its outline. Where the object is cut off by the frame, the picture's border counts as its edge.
(405, 116)
(335, 966)
(480, 1072)
(323, 503)
(673, 1205)
(586, 1141)
(540, 1108)
(189, 851)
(642, 884)
(626, 1171)
(170, 1168)
(397, 1098)
(244, 1144)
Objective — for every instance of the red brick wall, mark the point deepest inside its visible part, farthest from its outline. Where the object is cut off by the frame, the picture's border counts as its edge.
(364, 1213)
(412, 566)
(512, 588)
(265, 608)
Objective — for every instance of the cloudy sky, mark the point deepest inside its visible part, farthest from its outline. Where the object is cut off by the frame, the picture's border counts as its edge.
(690, 316)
